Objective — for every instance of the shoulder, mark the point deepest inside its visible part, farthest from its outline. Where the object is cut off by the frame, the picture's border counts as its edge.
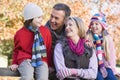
(45, 32)
(88, 50)
(47, 24)
(22, 30)
(108, 38)
(62, 40)
(44, 28)
(58, 45)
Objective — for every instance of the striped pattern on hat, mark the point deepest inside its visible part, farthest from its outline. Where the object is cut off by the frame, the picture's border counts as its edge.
(100, 17)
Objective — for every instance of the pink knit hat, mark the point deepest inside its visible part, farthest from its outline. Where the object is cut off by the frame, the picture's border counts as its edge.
(100, 17)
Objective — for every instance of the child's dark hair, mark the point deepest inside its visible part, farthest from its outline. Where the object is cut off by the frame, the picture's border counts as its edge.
(27, 22)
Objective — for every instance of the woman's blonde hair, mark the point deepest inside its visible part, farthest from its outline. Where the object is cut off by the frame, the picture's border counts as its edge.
(80, 25)
(105, 44)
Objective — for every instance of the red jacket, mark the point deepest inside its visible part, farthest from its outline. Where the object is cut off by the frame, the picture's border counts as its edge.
(23, 41)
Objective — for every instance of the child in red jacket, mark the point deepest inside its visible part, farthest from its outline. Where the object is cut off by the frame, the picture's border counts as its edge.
(32, 46)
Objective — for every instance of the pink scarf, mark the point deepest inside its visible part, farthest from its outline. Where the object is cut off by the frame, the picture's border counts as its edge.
(79, 48)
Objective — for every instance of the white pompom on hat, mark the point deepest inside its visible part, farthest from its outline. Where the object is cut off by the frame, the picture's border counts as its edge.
(31, 11)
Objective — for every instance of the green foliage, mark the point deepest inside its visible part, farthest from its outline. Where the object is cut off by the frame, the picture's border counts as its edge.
(6, 48)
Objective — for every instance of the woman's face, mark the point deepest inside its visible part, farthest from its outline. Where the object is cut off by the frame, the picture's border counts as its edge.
(71, 29)
(37, 21)
(96, 27)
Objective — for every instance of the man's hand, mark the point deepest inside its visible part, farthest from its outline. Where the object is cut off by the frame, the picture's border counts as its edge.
(51, 69)
(88, 43)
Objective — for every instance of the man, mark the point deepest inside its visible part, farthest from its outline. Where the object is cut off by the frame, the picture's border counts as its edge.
(59, 14)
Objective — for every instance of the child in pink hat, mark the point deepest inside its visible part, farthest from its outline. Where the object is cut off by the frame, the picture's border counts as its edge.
(105, 50)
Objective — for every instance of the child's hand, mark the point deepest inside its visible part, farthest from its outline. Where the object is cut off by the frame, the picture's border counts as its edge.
(13, 67)
(104, 72)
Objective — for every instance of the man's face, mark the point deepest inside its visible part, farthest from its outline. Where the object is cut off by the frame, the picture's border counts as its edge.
(57, 19)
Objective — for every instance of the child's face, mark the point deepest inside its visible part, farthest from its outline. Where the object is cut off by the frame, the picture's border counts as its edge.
(96, 27)
(37, 21)
(71, 29)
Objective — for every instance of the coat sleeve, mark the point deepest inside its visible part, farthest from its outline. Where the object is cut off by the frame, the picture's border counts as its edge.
(58, 57)
(15, 49)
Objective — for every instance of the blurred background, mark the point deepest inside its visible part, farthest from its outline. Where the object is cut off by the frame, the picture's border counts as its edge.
(11, 19)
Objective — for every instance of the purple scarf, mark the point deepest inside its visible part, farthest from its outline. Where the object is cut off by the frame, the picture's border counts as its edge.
(79, 48)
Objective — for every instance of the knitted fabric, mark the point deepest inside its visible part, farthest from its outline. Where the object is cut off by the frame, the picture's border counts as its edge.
(77, 49)
(31, 11)
(100, 54)
(38, 49)
(100, 17)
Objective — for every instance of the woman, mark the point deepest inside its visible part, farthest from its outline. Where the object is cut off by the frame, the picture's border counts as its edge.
(73, 59)
(32, 46)
(105, 51)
